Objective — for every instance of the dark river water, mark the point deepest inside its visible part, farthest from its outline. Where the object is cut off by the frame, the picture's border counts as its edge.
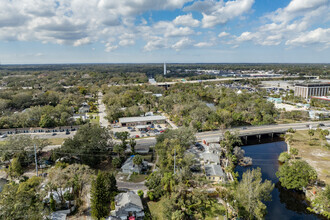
(285, 204)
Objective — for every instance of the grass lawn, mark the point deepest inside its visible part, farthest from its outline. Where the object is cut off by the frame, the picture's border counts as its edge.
(313, 152)
(137, 178)
(96, 118)
(156, 210)
(56, 141)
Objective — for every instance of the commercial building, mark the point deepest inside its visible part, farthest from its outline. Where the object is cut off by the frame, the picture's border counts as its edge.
(143, 120)
(313, 89)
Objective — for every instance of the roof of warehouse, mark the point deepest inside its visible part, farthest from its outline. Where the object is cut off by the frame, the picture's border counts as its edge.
(143, 118)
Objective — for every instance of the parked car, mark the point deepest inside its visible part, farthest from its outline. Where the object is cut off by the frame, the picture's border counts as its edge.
(321, 125)
(307, 126)
(161, 131)
(158, 126)
(244, 128)
(54, 134)
(129, 128)
(137, 136)
(3, 136)
(67, 132)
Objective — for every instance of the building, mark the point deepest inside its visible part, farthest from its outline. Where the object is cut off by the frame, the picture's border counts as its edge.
(128, 206)
(210, 158)
(311, 89)
(214, 173)
(142, 120)
(84, 108)
(129, 167)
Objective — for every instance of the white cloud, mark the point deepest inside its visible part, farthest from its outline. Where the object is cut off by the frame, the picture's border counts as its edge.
(182, 43)
(82, 41)
(155, 43)
(109, 47)
(317, 36)
(290, 24)
(220, 12)
(186, 20)
(203, 44)
(223, 34)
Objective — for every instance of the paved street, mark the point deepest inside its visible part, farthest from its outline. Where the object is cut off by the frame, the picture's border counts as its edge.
(101, 107)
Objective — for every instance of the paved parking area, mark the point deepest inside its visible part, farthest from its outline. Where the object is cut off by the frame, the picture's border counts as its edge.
(134, 132)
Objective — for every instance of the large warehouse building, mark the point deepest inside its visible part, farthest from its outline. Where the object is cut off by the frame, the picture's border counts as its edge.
(313, 89)
(143, 120)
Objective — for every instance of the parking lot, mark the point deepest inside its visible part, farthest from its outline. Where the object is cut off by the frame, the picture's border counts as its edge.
(141, 131)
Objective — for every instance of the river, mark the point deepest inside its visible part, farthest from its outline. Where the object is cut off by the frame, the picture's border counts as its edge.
(285, 204)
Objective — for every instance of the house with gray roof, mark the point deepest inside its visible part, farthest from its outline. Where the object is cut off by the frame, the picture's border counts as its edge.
(129, 167)
(210, 158)
(128, 206)
(214, 173)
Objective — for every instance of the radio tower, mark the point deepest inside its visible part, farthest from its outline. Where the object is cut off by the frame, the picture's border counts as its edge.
(164, 69)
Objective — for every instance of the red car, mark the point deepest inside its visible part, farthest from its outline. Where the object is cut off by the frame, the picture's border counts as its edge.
(137, 136)
(161, 131)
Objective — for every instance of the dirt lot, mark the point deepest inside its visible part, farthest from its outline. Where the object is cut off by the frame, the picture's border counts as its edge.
(313, 152)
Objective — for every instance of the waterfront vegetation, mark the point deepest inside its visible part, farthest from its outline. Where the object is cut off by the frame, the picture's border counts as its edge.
(311, 176)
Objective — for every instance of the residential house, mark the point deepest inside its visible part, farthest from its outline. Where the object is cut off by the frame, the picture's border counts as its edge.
(214, 173)
(210, 158)
(128, 206)
(84, 108)
(129, 167)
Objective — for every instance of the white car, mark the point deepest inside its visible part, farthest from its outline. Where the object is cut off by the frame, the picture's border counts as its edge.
(3, 136)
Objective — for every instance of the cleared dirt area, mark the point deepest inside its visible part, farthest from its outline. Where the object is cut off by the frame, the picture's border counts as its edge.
(312, 150)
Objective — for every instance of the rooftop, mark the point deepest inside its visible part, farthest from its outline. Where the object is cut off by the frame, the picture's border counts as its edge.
(210, 157)
(142, 118)
(314, 84)
(123, 199)
(214, 170)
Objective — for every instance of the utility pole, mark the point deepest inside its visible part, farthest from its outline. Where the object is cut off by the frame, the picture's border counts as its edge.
(174, 159)
(35, 157)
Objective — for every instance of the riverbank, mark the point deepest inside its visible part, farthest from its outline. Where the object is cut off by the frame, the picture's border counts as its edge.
(312, 149)
(285, 204)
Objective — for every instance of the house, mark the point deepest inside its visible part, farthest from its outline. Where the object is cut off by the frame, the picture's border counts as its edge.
(210, 158)
(128, 206)
(83, 117)
(84, 108)
(214, 173)
(129, 167)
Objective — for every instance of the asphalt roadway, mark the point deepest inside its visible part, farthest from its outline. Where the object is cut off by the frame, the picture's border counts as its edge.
(246, 131)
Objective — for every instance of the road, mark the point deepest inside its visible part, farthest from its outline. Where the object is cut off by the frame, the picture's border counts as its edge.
(102, 113)
(247, 131)
(254, 130)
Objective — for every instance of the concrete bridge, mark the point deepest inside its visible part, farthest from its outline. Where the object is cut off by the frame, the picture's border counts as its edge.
(259, 131)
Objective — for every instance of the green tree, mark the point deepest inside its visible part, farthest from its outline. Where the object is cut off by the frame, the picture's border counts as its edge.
(294, 152)
(22, 201)
(102, 192)
(137, 160)
(132, 143)
(116, 162)
(91, 145)
(52, 203)
(311, 133)
(15, 169)
(284, 157)
(251, 192)
(140, 193)
(46, 121)
(296, 174)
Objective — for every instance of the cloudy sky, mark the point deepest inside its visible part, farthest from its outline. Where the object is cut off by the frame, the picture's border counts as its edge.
(134, 31)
